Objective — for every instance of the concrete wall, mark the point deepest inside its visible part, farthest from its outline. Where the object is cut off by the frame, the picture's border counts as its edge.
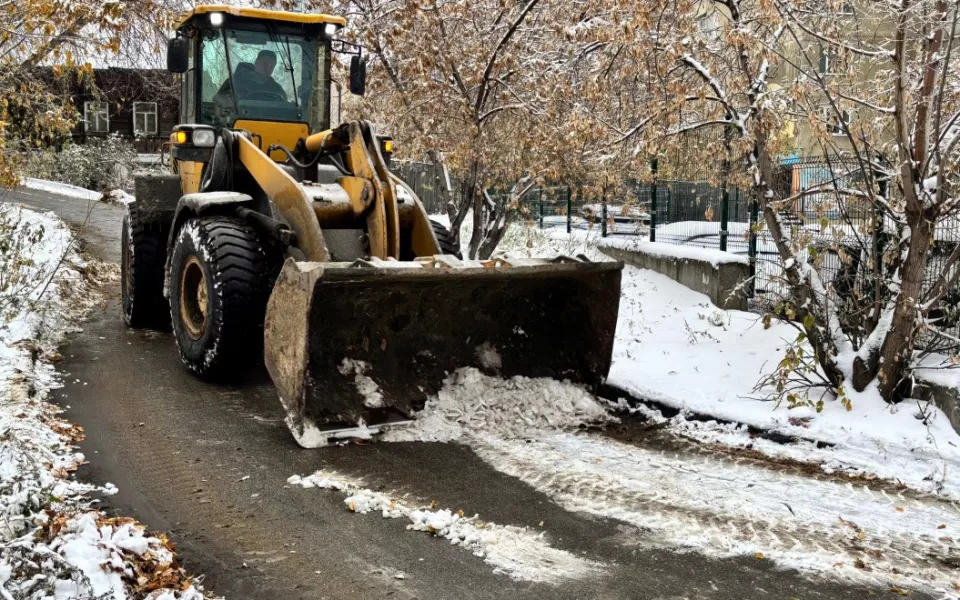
(947, 398)
(716, 278)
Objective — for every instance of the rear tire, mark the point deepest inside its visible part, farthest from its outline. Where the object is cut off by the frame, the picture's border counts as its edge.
(445, 239)
(219, 285)
(142, 258)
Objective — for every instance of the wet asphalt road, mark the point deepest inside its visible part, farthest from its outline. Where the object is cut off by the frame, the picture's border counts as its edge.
(209, 464)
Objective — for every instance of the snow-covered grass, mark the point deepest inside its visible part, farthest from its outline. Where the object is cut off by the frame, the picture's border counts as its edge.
(61, 189)
(53, 542)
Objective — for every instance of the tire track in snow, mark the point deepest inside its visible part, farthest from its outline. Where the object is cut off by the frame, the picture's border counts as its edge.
(720, 508)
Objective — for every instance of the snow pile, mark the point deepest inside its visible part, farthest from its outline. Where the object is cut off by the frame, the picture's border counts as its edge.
(51, 543)
(117, 197)
(471, 402)
(518, 552)
(61, 189)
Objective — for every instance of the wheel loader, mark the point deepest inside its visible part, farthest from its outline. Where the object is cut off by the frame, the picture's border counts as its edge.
(280, 236)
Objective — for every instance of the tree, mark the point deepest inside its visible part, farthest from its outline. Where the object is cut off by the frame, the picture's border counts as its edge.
(45, 39)
(874, 88)
(505, 95)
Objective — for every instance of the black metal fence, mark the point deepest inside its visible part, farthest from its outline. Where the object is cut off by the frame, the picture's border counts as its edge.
(696, 210)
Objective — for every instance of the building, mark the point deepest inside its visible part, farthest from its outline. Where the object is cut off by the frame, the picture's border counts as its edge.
(138, 104)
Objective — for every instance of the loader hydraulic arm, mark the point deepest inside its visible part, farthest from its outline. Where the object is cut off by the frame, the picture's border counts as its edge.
(370, 187)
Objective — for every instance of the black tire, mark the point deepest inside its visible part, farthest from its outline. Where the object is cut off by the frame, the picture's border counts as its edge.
(142, 258)
(219, 286)
(445, 239)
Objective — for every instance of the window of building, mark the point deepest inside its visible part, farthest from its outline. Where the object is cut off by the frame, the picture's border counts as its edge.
(709, 27)
(96, 117)
(836, 126)
(831, 61)
(145, 118)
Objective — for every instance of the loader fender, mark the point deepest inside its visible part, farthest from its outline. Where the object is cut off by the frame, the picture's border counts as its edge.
(197, 205)
(158, 195)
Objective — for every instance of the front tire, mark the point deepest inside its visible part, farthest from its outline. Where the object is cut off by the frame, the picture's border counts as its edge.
(142, 257)
(218, 292)
(445, 239)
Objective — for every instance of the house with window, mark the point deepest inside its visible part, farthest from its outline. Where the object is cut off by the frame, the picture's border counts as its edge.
(141, 105)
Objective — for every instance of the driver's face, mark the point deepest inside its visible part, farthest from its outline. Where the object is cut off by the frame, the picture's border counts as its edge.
(265, 65)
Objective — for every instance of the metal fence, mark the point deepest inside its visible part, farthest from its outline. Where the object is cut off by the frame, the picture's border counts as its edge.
(695, 210)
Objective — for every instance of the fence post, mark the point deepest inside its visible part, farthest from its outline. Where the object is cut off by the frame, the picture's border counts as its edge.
(541, 207)
(569, 206)
(752, 244)
(724, 215)
(603, 212)
(725, 191)
(653, 200)
(877, 246)
(669, 201)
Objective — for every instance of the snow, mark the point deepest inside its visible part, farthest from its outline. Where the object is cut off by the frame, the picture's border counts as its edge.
(367, 387)
(724, 507)
(939, 370)
(471, 402)
(53, 544)
(660, 250)
(519, 552)
(676, 348)
(61, 189)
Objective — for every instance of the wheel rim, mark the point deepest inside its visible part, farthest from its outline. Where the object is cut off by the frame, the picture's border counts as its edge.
(194, 304)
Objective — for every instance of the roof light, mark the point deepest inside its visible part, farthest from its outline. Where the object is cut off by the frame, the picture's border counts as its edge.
(330, 29)
(216, 19)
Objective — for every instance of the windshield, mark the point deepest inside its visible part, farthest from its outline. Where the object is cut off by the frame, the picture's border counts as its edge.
(263, 75)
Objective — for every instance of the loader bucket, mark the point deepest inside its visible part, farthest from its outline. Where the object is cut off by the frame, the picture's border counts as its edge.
(352, 342)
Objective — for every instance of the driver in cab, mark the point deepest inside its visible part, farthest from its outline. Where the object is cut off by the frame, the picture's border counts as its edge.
(256, 80)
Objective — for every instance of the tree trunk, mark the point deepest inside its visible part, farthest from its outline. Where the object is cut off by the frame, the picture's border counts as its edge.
(897, 345)
(807, 301)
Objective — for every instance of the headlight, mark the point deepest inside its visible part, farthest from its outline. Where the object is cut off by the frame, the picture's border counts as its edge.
(204, 138)
(216, 19)
(330, 29)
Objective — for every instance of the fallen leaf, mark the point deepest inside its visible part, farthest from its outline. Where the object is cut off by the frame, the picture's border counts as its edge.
(900, 591)
(758, 556)
(899, 509)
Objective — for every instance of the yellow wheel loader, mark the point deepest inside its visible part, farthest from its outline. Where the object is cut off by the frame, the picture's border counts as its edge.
(281, 236)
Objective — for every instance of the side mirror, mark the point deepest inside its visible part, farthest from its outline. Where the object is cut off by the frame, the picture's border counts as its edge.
(358, 76)
(178, 55)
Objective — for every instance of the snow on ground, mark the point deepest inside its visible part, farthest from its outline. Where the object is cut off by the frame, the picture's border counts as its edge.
(720, 508)
(676, 348)
(53, 543)
(719, 504)
(61, 189)
(519, 552)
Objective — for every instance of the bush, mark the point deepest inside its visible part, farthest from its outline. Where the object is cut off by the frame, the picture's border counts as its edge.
(100, 164)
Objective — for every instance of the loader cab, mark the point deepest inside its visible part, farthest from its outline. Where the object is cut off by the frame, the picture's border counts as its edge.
(264, 71)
